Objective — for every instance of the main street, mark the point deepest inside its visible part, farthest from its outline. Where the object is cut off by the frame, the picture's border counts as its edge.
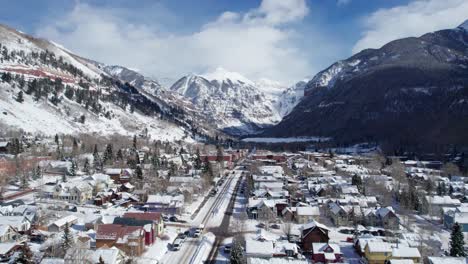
(193, 250)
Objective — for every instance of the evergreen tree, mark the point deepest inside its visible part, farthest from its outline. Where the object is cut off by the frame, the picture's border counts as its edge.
(86, 166)
(198, 161)
(73, 168)
(439, 189)
(96, 159)
(75, 146)
(24, 181)
(38, 172)
(119, 155)
(67, 239)
(443, 188)
(134, 142)
(56, 139)
(236, 256)
(101, 261)
(456, 242)
(55, 99)
(138, 173)
(25, 255)
(451, 190)
(108, 154)
(429, 186)
(19, 97)
(357, 180)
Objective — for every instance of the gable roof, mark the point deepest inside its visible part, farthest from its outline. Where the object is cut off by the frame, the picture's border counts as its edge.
(116, 232)
(376, 246)
(405, 252)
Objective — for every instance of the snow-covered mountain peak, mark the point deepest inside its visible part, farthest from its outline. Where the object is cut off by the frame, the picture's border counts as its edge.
(270, 87)
(220, 74)
(464, 25)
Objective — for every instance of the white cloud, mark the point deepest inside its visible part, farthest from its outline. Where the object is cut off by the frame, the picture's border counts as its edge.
(343, 2)
(258, 43)
(414, 19)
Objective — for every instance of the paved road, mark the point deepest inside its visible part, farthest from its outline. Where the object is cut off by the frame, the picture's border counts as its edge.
(211, 216)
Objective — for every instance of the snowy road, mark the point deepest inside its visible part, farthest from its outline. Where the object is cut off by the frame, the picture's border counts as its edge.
(211, 215)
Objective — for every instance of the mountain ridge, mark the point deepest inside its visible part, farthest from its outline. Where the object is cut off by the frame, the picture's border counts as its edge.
(412, 90)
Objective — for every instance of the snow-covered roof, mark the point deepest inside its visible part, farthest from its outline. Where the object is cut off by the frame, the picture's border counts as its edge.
(4, 229)
(321, 247)
(314, 224)
(6, 247)
(401, 261)
(442, 200)
(310, 210)
(65, 220)
(276, 261)
(258, 248)
(376, 246)
(14, 221)
(405, 252)
(447, 260)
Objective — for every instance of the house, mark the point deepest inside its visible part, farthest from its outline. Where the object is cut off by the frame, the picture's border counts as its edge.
(7, 250)
(261, 209)
(127, 187)
(108, 255)
(129, 239)
(435, 204)
(387, 218)
(285, 249)
(382, 216)
(377, 252)
(77, 192)
(313, 232)
(147, 225)
(326, 253)
(408, 253)
(338, 214)
(60, 224)
(164, 203)
(259, 249)
(445, 260)
(361, 241)
(104, 197)
(456, 215)
(56, 167)
(400, 261)
(306, 214)
(4, 147)
(154, 217)
(7, 233)
(119, 175)
(19, 223)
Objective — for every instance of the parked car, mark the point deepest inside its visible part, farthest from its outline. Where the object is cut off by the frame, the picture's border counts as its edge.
(261, 225)
(182, 236)
(196, 231)
(275, 226)
(176, 244)
(173, 219)
(227, 248)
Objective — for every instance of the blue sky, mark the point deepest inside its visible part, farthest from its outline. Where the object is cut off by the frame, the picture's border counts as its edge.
(284, 40)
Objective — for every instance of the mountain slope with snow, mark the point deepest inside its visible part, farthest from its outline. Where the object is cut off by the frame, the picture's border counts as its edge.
(65, 93)
(412, 90)
(232, 101)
